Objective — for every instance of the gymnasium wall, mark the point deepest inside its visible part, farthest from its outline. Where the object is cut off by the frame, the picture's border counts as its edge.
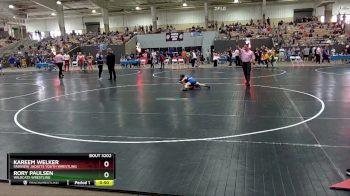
(159, 41)
(340, 6)
(181, 19)
(224, 45)
(118, 51)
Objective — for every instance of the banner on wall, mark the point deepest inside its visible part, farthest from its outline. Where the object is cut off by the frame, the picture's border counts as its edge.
(177, 36)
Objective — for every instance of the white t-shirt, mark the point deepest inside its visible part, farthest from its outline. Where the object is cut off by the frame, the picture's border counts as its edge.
(216, 57)
(154, 54)
(66, 57)
(236, 53)
(194, 56)
(318, 50)
(333, 51)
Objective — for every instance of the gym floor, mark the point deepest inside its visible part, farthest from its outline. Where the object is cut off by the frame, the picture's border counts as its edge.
(288, 134)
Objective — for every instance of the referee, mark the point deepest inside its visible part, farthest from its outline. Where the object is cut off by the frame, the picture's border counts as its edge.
(59, 59)
(247, 57)
(110, 61)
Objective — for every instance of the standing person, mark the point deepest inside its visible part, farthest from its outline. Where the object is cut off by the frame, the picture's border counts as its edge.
(272, 54)
(318, 53)
(153, 58)
(12, 61)
(202, 58)
(306, 53)
(59, 59)
(325, 55)
(99, 61)
(90, 60)
(215, 58)
(184, 55)
(237, 57)
(110, 61)
(81, 60)
(66, 61)
(18, 62)
(208, 57)
(229, 56)
(162, 59)
(311, 55)
(193, 58)
(281, 54)
(313, 52)
(333, 51)
(247, 57)
(257, 54)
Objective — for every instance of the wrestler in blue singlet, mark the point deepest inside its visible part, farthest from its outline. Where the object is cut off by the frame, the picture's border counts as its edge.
(191, 80)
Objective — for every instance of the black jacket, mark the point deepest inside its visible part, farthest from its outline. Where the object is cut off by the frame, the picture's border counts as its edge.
(110, 59)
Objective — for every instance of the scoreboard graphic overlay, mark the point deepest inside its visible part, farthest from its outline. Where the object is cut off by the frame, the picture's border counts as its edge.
(72, 169)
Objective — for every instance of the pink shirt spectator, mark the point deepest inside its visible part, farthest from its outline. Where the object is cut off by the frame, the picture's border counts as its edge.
(247, 56)
(318, 50)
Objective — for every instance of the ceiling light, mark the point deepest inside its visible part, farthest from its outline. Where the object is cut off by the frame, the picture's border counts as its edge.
(53, 14)
(11, 6)
(14, 17)
(184, 4)
(235, 1)
(138, 8)
(58, 2)
(93, 11)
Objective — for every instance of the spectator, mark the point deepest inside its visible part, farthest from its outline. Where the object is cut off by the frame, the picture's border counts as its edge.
(12, 61)
(318, 53)
(229, 58)
(237, 57)
(99, 61)
(306, 53)
(208, 56)
(216, 57)
(81, 61)
(193, 57)
(162, 59)
(325, 55)
(66, 61)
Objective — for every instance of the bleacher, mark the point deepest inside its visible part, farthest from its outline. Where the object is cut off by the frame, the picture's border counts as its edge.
(322, 35)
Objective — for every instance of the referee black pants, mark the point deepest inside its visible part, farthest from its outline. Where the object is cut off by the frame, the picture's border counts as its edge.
(246, 70)
(111, 71)
(60, 66)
